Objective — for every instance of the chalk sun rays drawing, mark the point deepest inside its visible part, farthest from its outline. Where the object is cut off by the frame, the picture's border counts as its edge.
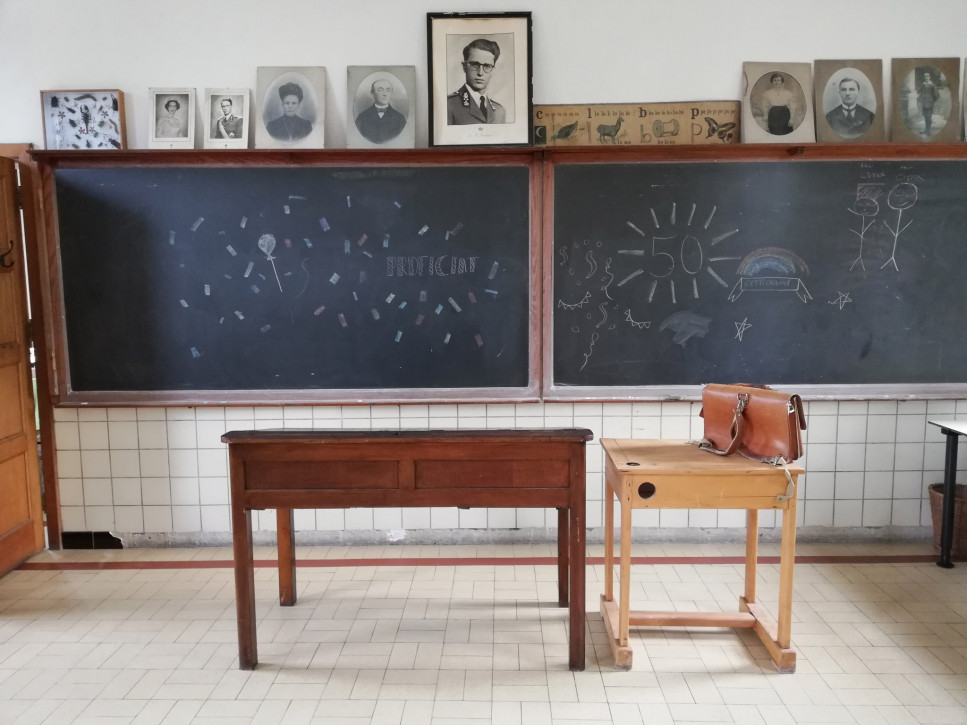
(678, 247)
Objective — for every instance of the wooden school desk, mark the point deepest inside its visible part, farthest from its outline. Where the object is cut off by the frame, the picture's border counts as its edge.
(661, 474)
(290, 469)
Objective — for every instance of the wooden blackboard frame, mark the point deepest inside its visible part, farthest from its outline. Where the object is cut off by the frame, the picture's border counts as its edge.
(552, 390)
(64, 394)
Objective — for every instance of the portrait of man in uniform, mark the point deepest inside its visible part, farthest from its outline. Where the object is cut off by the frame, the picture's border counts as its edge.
(480, 79)
(470, 103)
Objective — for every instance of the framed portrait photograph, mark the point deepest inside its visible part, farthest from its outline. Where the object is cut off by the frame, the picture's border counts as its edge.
(777, 103)
(849, 101)
(480, 79)
(83, 120)
(381, 107)
(291, 103)
(926, 100)
(172, 118)
(226, 114)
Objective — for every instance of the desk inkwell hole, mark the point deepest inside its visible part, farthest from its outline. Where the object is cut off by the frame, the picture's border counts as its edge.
(646, 490)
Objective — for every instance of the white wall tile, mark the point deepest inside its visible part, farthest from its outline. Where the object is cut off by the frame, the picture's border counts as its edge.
(213, 462)
(302, 519)
(703, 518)
(818, 513)
(210, 433)
(72, 519)
(69, 464)
(185, 519)
(91, 414)
(65, 414)
(125, 463)
(906, 512)
(182, 434)
(881, 429)
(820, 429)
(156, 492)
(215, 518)
(71, 491)
(123, 435)
(96, 463)
(93, 435)
(909, 457)
(501, 518)
(157, 519)
(152, 434)
(385, 519)
(911, 428)
(818, 485)
(126, 492)
(850, 456)
(820, 457)
(416, 518)
(154, 463)
(472, 518)
(184, 491)
(908, 484)
(331, 519)
(359, 518)
(878, 485)
(877, 512)
(851, 429)
(849, 485)
(847, 513)
(672, 518)
(444, 518)
(214, 491)
(183, 462)
(879, 456)
(67, 435)
(128, 519)
(99, 518)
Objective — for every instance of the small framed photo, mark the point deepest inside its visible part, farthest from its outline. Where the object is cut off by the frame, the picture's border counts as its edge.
(480, 79)
(777, 103)
(849, 101)
(291, 104)
(172, 118)
(83, 120)
(381, 107)
(226, 114)
(926, 100)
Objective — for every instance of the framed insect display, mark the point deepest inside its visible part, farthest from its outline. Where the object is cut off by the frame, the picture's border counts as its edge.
(83, 119)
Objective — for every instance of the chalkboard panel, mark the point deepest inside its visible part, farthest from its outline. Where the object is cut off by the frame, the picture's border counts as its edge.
(340, 282)
(821, 275)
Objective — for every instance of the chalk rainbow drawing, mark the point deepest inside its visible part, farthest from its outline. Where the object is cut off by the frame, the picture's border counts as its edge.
(771, 269)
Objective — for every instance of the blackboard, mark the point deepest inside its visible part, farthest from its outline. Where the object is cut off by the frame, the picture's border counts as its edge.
(336, 282)
(845, 278)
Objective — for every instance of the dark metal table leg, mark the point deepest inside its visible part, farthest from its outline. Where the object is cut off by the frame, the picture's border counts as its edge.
(949, 492)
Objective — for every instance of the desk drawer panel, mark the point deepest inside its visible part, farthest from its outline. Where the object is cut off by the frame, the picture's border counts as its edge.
(324, 475)
(492, 474)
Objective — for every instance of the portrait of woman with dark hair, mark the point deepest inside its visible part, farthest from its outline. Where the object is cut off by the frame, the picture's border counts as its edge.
(170, 125)
(290, 126)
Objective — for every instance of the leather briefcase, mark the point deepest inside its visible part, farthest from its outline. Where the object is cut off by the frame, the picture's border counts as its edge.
(755, 421)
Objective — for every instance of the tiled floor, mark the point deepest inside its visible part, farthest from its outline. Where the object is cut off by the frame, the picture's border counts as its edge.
(441, 642)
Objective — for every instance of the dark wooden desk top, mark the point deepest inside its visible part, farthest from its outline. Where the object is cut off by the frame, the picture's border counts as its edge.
(290, 435)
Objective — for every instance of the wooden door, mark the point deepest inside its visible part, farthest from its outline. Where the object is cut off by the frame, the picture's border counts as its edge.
(21, 515)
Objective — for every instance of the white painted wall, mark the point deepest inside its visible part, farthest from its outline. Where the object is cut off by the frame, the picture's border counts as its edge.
(163, 470)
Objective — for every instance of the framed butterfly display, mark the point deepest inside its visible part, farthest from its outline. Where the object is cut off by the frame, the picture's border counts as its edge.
(83, 120)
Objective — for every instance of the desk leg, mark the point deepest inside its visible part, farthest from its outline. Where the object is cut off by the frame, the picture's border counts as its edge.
(751, 552)
(787, 560)
(286, 540)
(577, 544)
(608, 545)
(248, 655)
(563, 556)
(624, 578)
(949, 493)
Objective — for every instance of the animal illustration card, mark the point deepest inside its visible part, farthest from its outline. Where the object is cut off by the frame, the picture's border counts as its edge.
(637, 124)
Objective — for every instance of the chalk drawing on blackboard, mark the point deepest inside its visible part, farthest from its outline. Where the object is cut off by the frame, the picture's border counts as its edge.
(643, 325)
(865, 207)
(267, 245)
(740, 328)
(587, 355)
(575, 305)
(902, 196)
(757, 273)
(686, 325)
(842, 299)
